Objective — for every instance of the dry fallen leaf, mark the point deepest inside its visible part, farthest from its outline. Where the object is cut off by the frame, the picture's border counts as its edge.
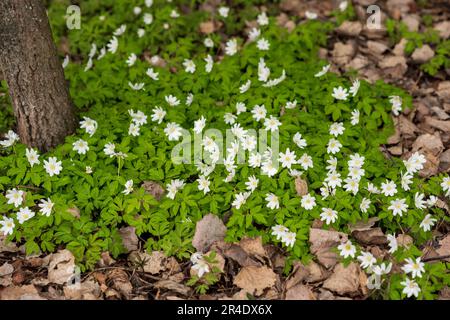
(357, 63)
(322, 243)
(297, 276)
(255, 279)
(238, 254)
(444, 247)
(428, 142)
(120, 282)
(376, 48)
(344, 280)
(422, 54)
(153, 188)
(444, 294)
(253, 246)
(301, 186)
(207, 231)
(442, 125)
(404, 240)
(443, 28)
(412, 22)
(27, 292)
(7, 246)
(343, 53)
(300, 292)
(326, 295)
(87, 290)
(443, 90)
(6, 271)
(350, 28)
(209, 27)
(61, 268)
(374, 236)
(444, 161)
(130, 240)
(406, 127)
(316, 272)
(399, 49)
(172, 286)
(152, 263)
(241, 295)
(394, 66)
(363, 225)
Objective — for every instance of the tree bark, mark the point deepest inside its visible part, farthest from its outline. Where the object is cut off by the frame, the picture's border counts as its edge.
(37, 87)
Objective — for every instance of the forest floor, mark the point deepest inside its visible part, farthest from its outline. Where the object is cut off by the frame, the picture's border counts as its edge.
(250, 266)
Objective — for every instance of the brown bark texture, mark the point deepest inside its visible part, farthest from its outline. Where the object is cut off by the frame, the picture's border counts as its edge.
(30, 65)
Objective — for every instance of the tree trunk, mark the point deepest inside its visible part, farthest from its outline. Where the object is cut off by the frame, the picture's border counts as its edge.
(37, 87)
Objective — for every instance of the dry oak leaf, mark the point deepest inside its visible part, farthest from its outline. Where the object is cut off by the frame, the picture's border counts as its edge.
(6, 271)
(322, 243)
(444, 247)
(422, 54)
(363, 225)
(395, 66)
(7, 246)
(130, 240)
(61, 267)
(444, 294)
(316, 272)
(209, 27)
(444, 165)
(397, 7)
(27, 292)
(357, 63)
(428, 142)
(173, 286)
(241, 295)
(298, 275)
(153, 188)
(404, 240)
(87, 290)
(431, 147)
(345, 280)
(300, 292)
(399, 49)
(343, 53)
(443, 28)
(376, 48)
(373, 236)
(412, 22)
(207, 231)
(255, 279)
(406, 127)
(301, 186)
(238, 254)
(438, 124)
(152, 263)
(350, 28)
(120, 282)
(253, 246)
(443, 90)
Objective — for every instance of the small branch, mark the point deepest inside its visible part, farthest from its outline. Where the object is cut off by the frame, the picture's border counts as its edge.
(436, 258)
(25, 187)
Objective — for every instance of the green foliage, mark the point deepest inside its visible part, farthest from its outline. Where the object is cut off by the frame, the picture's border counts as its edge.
(398, 30)
(441, 60)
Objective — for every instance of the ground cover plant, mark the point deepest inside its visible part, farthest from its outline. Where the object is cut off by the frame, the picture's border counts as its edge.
(300, 144)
